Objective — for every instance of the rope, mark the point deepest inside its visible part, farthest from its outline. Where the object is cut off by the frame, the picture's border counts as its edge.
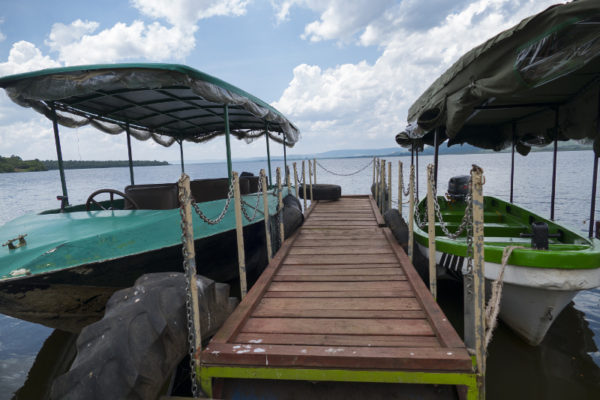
(493, 307)
(340, 174)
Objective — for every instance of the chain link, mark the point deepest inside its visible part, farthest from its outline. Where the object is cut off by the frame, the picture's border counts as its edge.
(258, 196)
(184, 197)
(340, 174)
(467, 217)
(223, 213)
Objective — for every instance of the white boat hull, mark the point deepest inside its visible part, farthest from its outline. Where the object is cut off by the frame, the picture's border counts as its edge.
(531, 298)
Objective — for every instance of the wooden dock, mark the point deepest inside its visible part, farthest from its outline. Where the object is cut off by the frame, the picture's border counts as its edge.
(340, 302)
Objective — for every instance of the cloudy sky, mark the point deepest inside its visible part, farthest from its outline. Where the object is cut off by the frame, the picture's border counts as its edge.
(344, 71)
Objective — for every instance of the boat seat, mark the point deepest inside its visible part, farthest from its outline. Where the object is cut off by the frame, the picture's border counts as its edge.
(252, 183)
(214, 189)
(161, 196)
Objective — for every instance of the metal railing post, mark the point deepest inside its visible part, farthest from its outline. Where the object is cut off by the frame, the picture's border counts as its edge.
(296, 181)
(239, 229)
(190, 261)
(263, 177)
(310, 173)
(411, 212)
(389, 207)
(431, 231)
(315, 169)
(281, 227)
(475, 283)
(400, 188)
(304, 184)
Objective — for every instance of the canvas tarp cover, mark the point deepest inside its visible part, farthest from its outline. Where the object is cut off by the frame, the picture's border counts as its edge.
(161, 101)
(540, 74)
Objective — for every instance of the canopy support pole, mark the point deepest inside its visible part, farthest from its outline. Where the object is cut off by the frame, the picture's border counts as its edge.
(285, 157)
(435, 155)
(593, 202)
(417, 167)
(64, 200)
(595, 177)
(129, 153)
(269, 154)
(554, 164)
(512, 161)
(228, 143)
(181, 155)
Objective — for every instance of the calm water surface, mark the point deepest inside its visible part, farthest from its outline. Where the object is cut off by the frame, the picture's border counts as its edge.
(565, 366)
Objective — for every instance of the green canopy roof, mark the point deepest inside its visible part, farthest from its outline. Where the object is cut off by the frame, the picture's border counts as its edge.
(541, 74)
(164, 101)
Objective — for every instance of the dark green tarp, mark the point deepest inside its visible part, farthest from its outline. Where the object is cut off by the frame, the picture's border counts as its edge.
(541, 74)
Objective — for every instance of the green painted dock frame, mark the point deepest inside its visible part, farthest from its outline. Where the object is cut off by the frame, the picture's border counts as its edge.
(469, 382)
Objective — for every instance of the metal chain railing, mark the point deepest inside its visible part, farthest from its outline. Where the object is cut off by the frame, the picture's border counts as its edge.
(341, 174)
(256, 207)
(184, 197)
(443, 225)
(221, 215)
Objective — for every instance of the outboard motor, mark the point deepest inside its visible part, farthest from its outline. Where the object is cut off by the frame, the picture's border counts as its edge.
(458, 188)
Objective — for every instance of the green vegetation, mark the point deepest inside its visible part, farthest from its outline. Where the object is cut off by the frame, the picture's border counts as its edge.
(16, 164)
(74, 164)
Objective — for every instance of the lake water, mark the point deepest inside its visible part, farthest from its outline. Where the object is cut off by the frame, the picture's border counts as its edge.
(565, 366)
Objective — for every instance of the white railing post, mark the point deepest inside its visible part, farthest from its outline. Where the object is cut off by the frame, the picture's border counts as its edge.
(431, 231)
(239, 228)
(263, 179)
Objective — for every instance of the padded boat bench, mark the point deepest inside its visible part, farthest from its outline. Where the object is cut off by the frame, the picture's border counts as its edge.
(214, 189)
(161, 196)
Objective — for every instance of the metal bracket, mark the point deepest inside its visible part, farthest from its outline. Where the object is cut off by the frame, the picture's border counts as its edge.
(11, 245)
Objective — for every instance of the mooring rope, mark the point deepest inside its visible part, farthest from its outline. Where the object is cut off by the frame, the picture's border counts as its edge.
(493, 307)
(341, 174)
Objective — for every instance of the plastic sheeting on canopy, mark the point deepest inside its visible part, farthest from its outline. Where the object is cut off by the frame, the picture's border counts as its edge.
(540, 78)
(159, 101)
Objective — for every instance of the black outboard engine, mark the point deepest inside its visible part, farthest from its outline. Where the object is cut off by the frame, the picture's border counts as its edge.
(458, 188)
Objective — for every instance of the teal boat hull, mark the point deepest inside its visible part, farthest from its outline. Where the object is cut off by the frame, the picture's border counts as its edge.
(73, 262)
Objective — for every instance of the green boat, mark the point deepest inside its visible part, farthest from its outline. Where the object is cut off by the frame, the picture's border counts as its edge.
(59, 267)
(532, 85)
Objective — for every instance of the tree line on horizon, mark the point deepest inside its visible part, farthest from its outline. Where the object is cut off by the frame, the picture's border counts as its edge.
(16, 164)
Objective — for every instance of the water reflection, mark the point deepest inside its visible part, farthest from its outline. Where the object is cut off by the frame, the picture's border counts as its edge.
(561, 367)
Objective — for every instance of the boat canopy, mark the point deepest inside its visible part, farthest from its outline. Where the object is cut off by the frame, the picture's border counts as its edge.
(531, 84)
(165, 102)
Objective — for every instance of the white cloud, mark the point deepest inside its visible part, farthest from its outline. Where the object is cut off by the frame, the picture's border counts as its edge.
(188, 12)
(155, 42)
(24, 57)
(370, 101)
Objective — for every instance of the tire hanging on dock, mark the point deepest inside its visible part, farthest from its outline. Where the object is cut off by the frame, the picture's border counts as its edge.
(133, 349)
(321, 191)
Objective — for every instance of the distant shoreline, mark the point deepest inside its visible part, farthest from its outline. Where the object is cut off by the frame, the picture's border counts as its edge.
(16, 164)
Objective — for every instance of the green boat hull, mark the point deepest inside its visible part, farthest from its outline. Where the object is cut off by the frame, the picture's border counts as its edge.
(538, 284)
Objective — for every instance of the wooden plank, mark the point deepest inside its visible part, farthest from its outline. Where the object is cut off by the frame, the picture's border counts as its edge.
(345, 223)
(296, 270)
(397, 358)
(304, 241)
(340, 304)
(378, 215)
(440, 323)
(338, 278)
(363, 217)
(243, 310)
(345, 326)
(326, 267)
(343, 294)
(340, 287)
(341, 250)
(343, 259)
(338, 340)
(356, 314)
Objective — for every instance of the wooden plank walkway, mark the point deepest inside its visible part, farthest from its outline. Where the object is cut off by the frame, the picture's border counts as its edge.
(340, 294)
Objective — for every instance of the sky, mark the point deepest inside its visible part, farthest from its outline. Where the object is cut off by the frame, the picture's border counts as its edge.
(344, 71)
